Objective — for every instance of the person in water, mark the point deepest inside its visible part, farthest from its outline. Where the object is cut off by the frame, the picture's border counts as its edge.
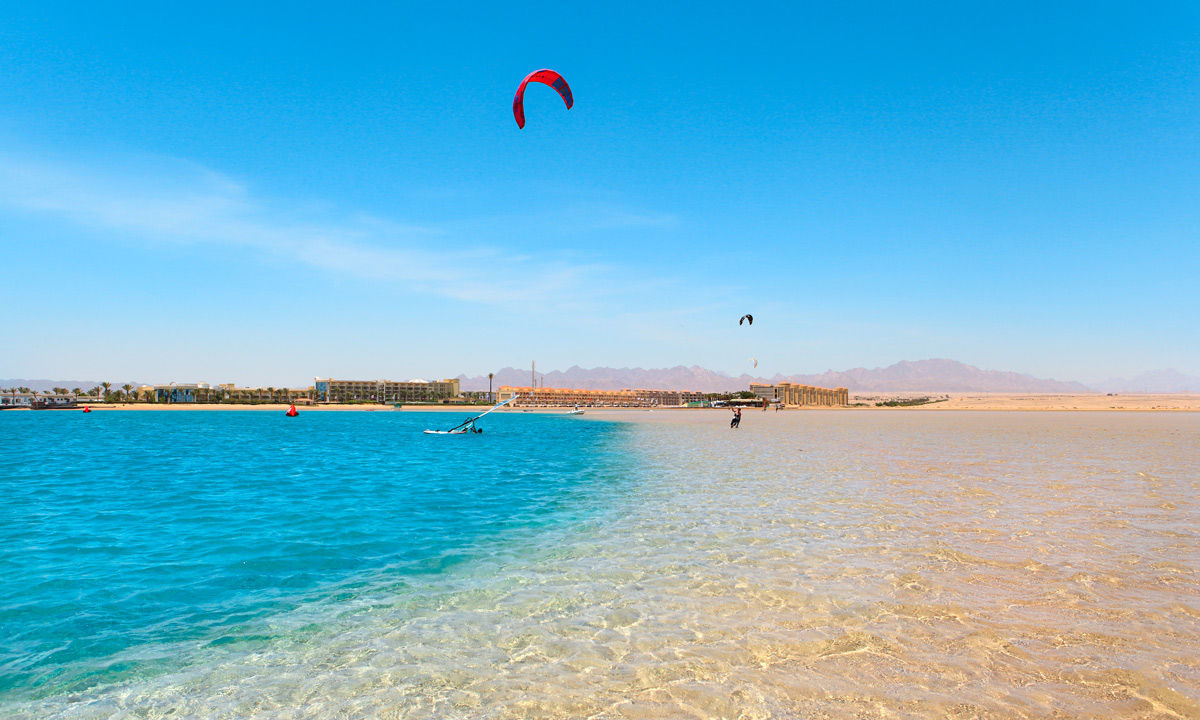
(737, 418)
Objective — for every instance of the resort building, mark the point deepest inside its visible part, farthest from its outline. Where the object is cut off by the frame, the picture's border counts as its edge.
(53, 402)
(36, 401)
(385, 391)
(786, 393)
(176, 393)
(173, 393)
(16, 400)
(569, 397)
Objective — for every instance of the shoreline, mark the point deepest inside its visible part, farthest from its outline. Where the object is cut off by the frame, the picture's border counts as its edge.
(989, 402)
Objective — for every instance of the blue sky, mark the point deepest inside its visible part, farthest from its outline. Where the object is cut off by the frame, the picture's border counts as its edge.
(262, 195)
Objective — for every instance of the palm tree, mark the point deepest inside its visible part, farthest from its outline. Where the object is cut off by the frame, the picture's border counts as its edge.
(94, 392)
(490, 376)
(126, 387)
(77, 392)
(107, 386)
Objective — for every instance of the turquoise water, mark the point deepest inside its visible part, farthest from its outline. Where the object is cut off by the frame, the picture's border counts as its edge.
(133, 543)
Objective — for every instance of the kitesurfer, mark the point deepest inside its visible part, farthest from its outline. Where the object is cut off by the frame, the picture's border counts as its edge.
(736, 422)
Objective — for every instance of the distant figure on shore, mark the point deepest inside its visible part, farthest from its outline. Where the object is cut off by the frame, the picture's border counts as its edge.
(737, 418)
(292, 411)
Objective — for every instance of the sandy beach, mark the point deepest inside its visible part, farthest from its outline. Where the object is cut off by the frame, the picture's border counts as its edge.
(1089, 402)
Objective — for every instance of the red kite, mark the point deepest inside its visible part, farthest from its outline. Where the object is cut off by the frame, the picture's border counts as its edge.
(546, 77)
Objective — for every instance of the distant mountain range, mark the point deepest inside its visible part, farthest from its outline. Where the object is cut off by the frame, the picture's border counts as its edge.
(1157, 381)
(936, 376)
(43, 385)
(916, 376)
(919, 376)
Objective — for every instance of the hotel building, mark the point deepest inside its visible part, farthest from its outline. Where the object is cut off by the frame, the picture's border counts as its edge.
(16, 400)
(173, 393)
(787, 393)
(384, 391)
(568, 397)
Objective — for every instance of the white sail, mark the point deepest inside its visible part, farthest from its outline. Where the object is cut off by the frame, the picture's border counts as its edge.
(514, 397)
(461, 427)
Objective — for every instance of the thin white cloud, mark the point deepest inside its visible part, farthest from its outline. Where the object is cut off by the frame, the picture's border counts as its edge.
(180, 203)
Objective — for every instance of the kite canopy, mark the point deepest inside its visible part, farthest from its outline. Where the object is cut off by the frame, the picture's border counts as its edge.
(755, 361)
(746, 318)
(546, 77)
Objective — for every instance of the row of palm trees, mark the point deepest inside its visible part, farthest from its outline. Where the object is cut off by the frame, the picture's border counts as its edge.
(103, 390)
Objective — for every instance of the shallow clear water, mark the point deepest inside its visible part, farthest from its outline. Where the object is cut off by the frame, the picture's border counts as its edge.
(822, 564)
(130, 539)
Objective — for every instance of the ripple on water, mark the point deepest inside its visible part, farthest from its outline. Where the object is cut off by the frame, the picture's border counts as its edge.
(903, 565)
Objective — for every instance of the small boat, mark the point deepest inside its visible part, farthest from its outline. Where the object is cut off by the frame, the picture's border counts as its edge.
(576, 411)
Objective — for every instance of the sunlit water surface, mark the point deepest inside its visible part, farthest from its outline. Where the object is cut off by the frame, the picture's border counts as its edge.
(808, 565)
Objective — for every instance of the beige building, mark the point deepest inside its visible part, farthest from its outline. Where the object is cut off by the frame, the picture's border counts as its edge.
(787, 393)
(173, 393)
(569, 397)
(385, 391)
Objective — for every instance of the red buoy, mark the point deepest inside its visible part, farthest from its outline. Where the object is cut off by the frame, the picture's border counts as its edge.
(292, 411)
(86, 408)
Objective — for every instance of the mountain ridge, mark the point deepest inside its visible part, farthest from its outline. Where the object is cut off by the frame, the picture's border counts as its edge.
(43, 385)
(1167, 380)
(933, 375)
